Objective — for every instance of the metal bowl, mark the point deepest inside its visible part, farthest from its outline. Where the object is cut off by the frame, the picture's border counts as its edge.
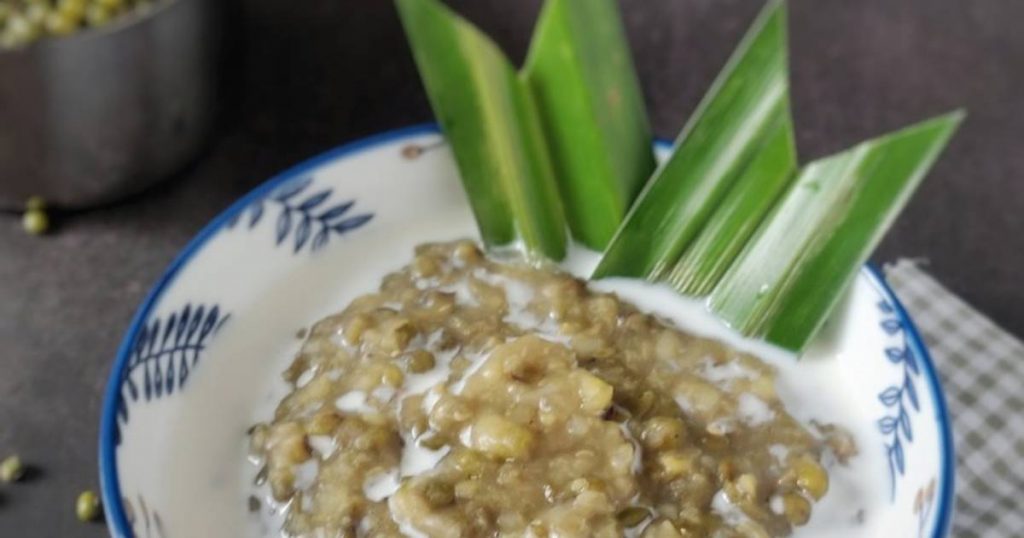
(90, 118)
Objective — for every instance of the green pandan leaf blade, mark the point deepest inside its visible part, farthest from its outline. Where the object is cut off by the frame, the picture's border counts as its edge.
(488, 115)
(794, 270)
(582, 77)
(746, 104)
(737, 217)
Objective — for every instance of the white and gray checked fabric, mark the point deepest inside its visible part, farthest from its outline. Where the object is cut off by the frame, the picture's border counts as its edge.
(982, 371)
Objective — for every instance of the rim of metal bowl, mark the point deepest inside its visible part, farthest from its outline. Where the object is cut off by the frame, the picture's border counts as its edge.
(120, 24)
(109, 483)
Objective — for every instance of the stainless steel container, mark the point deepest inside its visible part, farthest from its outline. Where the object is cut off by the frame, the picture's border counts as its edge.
(90, 118)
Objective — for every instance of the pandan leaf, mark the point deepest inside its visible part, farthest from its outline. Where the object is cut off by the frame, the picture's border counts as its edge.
(744, 115)
(738, 215)
(795, 268)
(581, 74)
(488, 115)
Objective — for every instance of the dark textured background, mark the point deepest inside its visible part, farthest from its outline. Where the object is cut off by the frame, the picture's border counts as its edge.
(308, 75)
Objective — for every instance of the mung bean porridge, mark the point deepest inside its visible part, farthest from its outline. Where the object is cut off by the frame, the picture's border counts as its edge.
(476, 397)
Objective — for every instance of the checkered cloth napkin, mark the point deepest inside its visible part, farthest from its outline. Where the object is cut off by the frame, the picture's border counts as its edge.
(982, 371)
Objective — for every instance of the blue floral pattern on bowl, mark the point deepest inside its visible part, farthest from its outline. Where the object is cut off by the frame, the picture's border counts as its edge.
(302, 216)
(901, 398)
(166, 351)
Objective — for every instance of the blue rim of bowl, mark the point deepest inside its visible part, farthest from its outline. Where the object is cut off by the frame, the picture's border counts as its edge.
(113, 506)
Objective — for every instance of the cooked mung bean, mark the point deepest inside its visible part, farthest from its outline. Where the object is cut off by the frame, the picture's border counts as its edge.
(471, 397)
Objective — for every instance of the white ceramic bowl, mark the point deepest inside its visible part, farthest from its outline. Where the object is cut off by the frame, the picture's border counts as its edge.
(199, 363)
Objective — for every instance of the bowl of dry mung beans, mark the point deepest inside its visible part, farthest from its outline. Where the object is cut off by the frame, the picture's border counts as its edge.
(23, 22)
(101, 98)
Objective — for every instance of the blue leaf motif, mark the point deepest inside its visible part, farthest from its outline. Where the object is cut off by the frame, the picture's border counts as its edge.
(898, 425)
(336, 211)
(904, 421)
(897, 455)
(133, 390)
(151, 340)
(890, 396)
(298, 215)
(302, 232)
(169, 379)
(911, 363)
(163, 349)
(290, 190)
(183, 370)
(213, 321)
(193, 324)
(352, 223)
(895, 354)
(122, 410)
(891, 326)
(172, 322)
(147, 384)
(181, 331)
(320, 239)
(256, 214)
(284, 225)
(313, 201)
(911, 392)
(140, 342)
(158, 378)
